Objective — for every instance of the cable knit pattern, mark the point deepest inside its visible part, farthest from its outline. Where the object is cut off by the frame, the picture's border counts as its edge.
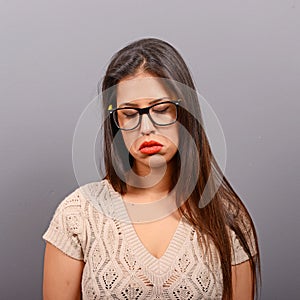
(92, 224)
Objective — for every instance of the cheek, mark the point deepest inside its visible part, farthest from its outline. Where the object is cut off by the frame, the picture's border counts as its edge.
(129, 139)
(172, 135)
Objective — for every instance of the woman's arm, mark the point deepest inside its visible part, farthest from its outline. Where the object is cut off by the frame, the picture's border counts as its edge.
(242, 281)
(62, 275)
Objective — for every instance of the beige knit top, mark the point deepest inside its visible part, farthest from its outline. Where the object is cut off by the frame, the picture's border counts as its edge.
(90, 225)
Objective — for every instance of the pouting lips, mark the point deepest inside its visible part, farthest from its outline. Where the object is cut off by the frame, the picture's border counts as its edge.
(150, 147)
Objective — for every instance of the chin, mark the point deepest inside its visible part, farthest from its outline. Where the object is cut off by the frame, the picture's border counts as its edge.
(157, 161)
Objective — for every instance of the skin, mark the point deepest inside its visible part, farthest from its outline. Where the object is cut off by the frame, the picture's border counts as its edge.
(62, 274)
(143, 90)
(242, 281)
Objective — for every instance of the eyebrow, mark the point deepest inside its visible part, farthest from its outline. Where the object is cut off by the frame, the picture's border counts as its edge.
(136, 105)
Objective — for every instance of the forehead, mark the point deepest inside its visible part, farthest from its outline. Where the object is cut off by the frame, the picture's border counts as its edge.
(141, 87)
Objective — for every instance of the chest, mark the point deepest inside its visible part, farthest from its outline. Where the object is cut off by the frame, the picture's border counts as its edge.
(158, 260)
(157, 236)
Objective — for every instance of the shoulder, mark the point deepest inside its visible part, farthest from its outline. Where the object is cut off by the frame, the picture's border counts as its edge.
(100, 196)
(242, 231)
(81, 203)
(244, 238)
(93, 193)
(67, 229)
(94, 198)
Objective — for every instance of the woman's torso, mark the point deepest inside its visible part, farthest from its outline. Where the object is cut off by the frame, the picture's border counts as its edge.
(158, 260)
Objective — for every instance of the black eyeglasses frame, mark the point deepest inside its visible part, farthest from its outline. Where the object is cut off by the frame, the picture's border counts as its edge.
(145, 110)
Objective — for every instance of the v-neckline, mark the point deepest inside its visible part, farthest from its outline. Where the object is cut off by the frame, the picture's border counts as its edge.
(164, 262)
(170, 245)
(161, 264)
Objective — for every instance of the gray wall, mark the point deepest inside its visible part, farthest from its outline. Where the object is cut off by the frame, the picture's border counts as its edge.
(244, 57)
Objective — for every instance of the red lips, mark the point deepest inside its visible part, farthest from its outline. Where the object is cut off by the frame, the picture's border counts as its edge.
(150, 147)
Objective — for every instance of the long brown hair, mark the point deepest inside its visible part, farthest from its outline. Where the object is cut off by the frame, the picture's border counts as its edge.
(225, 209)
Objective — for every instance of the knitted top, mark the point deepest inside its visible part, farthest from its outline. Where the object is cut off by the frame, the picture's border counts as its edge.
(90, 225)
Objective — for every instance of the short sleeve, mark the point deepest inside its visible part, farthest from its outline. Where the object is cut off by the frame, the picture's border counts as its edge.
(238, 254)
(66, 227)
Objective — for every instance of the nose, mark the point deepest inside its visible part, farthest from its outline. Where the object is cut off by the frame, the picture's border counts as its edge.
(147, 126)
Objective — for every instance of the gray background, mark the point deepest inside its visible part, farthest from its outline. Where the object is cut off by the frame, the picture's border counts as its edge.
(244, 58)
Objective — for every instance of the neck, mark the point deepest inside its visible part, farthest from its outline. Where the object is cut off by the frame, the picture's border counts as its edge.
(152, 183)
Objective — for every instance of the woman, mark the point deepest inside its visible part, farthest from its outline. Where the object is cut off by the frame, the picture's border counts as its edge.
(164, 223)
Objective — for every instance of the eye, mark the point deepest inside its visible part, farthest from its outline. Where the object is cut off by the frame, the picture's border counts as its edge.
(129, 113)
(161, 108)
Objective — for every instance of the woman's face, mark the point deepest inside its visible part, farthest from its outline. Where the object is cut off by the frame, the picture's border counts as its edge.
(148, 141)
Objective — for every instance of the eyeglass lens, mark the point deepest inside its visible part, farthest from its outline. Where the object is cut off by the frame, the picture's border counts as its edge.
(161, 114)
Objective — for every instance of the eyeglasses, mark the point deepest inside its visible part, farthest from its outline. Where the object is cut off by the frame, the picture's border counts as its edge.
(161, 114)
